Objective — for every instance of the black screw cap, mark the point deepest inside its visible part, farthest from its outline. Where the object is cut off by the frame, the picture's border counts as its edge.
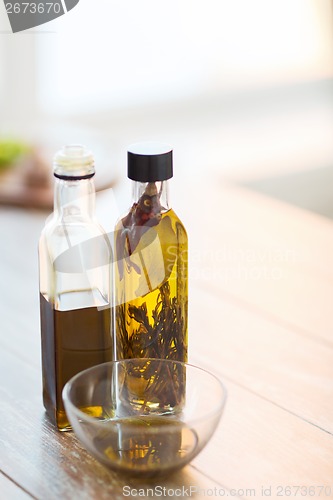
(149, 162)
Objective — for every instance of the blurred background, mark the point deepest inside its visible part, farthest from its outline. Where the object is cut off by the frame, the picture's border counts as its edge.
(241, 89)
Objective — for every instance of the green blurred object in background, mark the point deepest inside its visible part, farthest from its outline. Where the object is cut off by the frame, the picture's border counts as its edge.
(10, 151)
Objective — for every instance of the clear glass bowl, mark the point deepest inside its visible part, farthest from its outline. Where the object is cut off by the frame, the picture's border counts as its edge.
(144, 417)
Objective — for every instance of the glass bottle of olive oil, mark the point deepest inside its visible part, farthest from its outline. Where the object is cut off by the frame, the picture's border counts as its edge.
(151, 274)
(75, 260)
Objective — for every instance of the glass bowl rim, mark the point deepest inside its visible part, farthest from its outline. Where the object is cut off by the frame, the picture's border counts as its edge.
(193, 421)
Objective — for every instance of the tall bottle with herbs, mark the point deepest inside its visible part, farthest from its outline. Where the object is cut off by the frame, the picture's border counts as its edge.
(151, 274)
(75, 261)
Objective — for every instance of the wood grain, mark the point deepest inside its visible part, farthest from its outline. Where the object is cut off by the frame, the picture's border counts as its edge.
(275, 362)
(49, 464)
(269, 336)
(10, 490)
(254, 251)
(258, 444)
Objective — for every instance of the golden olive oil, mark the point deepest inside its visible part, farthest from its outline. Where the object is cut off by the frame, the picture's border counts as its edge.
(151, 311)
(151, 292)
(146, 446)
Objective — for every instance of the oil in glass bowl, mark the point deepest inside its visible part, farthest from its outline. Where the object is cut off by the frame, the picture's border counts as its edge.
(131, 431)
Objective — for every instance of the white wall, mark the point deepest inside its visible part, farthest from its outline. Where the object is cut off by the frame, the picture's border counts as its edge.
(233, 85)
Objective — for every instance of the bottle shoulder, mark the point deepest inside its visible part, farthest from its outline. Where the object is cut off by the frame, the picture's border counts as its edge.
(58, 226)
(58, 236)
(172, 214)
(176, 222)
(133, 235)
(120, 223)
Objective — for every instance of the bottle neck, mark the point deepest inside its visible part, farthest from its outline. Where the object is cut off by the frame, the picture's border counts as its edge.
(74, 198)
(158, 189)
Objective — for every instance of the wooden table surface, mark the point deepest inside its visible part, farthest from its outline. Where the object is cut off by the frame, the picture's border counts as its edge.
(261, 318)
